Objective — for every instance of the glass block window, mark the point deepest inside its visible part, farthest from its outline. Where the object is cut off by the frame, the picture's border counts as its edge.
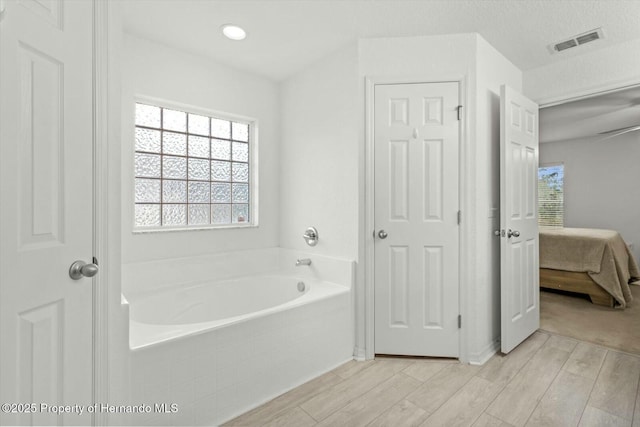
(190, 170)
(551, 195)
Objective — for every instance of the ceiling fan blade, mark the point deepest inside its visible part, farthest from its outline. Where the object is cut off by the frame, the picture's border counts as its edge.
(628, 128)
(616, 132)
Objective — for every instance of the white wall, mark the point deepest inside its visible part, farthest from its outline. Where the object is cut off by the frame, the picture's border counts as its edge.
(493, 70)
(601, 183)
(418, 57)
(483, 70)
(603, 69)
(319, 156)
(153, 70)
(429, 58)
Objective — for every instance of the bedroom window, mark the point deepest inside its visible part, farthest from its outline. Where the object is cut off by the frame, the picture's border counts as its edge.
(191, 170)
(551, 195)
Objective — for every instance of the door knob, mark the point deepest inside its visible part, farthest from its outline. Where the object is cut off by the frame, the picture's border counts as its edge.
(514, 233)
(80, 269)
(382, 234)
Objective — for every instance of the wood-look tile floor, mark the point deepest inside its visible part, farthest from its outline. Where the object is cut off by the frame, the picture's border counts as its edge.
(548, 380)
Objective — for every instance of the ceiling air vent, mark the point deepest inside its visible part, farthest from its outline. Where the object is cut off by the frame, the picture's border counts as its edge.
(559, 47)
(578, 40)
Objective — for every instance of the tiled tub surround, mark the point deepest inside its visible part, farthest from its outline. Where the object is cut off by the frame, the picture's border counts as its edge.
(218, 369)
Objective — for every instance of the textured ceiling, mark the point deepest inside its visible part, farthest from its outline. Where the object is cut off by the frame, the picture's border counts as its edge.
(285, 37)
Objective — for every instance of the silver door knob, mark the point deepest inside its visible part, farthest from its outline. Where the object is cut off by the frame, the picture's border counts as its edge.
(382, 234)
(514, 233)
(80, 269)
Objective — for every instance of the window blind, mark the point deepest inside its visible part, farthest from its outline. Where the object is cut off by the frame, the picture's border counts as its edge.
(551, 195)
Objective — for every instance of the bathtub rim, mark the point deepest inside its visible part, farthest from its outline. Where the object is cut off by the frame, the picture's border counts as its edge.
(132, 297)
(314, 294)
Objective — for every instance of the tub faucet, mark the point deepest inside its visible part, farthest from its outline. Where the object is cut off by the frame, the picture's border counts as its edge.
(303, 261)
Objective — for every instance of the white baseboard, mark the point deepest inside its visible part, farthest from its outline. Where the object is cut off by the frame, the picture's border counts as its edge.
(481, 357)
(359, 354)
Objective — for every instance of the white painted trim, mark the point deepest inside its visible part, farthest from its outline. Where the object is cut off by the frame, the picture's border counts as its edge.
(359, 354)
(100, 207)
(483, 356)
(192, 109)
(587, 93)
(369, 260)
(467, 229)
(369, 197)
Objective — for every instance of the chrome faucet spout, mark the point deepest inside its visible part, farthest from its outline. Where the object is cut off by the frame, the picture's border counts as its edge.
(304, 261)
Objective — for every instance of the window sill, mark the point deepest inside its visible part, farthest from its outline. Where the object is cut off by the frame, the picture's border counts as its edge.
(148, 230)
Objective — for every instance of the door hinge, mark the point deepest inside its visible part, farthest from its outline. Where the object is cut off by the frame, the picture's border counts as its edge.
(459, 217)
(459, 321)
(459, 108)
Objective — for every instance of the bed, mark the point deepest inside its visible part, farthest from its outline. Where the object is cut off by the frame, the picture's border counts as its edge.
(589, 261)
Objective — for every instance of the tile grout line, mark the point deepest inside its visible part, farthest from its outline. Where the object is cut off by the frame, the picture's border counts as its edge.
(363, 394)
(551, 383)
(484, 411)
(511, 379)
(614, 415)
(490, 403)
(602, 346)
(310, 416)
(376, 418)
(401, 398)
(606, 354)
(458, 391)
(390, 408)
(299, 404)
(433, 375)
(450, 397)
(372, 363)
(593, 384)
(635, 405)
(289, 407)
(421, 383)
(348, 402)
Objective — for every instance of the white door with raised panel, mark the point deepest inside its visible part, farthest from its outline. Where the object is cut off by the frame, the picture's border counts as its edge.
(520, 274)
(416, 137)
(45, 209)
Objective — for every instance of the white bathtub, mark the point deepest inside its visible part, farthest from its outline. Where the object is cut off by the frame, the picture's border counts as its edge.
(184, 310)
(220, 347)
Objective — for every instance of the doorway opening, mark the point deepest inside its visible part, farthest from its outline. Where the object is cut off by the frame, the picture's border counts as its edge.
(595, 138)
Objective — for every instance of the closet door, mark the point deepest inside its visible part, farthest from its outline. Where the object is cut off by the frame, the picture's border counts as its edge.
(417, 135)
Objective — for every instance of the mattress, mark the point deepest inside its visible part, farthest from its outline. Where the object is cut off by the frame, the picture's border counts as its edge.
(602, 254)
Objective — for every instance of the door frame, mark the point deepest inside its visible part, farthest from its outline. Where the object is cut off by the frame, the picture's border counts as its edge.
(465, 202)
(103, 97)
(590, 92)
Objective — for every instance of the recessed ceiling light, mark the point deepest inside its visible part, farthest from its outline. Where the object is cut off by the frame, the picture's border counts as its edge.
(233, 32)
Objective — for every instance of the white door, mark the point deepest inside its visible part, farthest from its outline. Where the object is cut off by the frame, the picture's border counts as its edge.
(45, 209)
(416, 138)
(520, 277)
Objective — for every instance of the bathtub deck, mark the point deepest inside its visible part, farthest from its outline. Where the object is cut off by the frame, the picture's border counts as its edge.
(548, 380)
